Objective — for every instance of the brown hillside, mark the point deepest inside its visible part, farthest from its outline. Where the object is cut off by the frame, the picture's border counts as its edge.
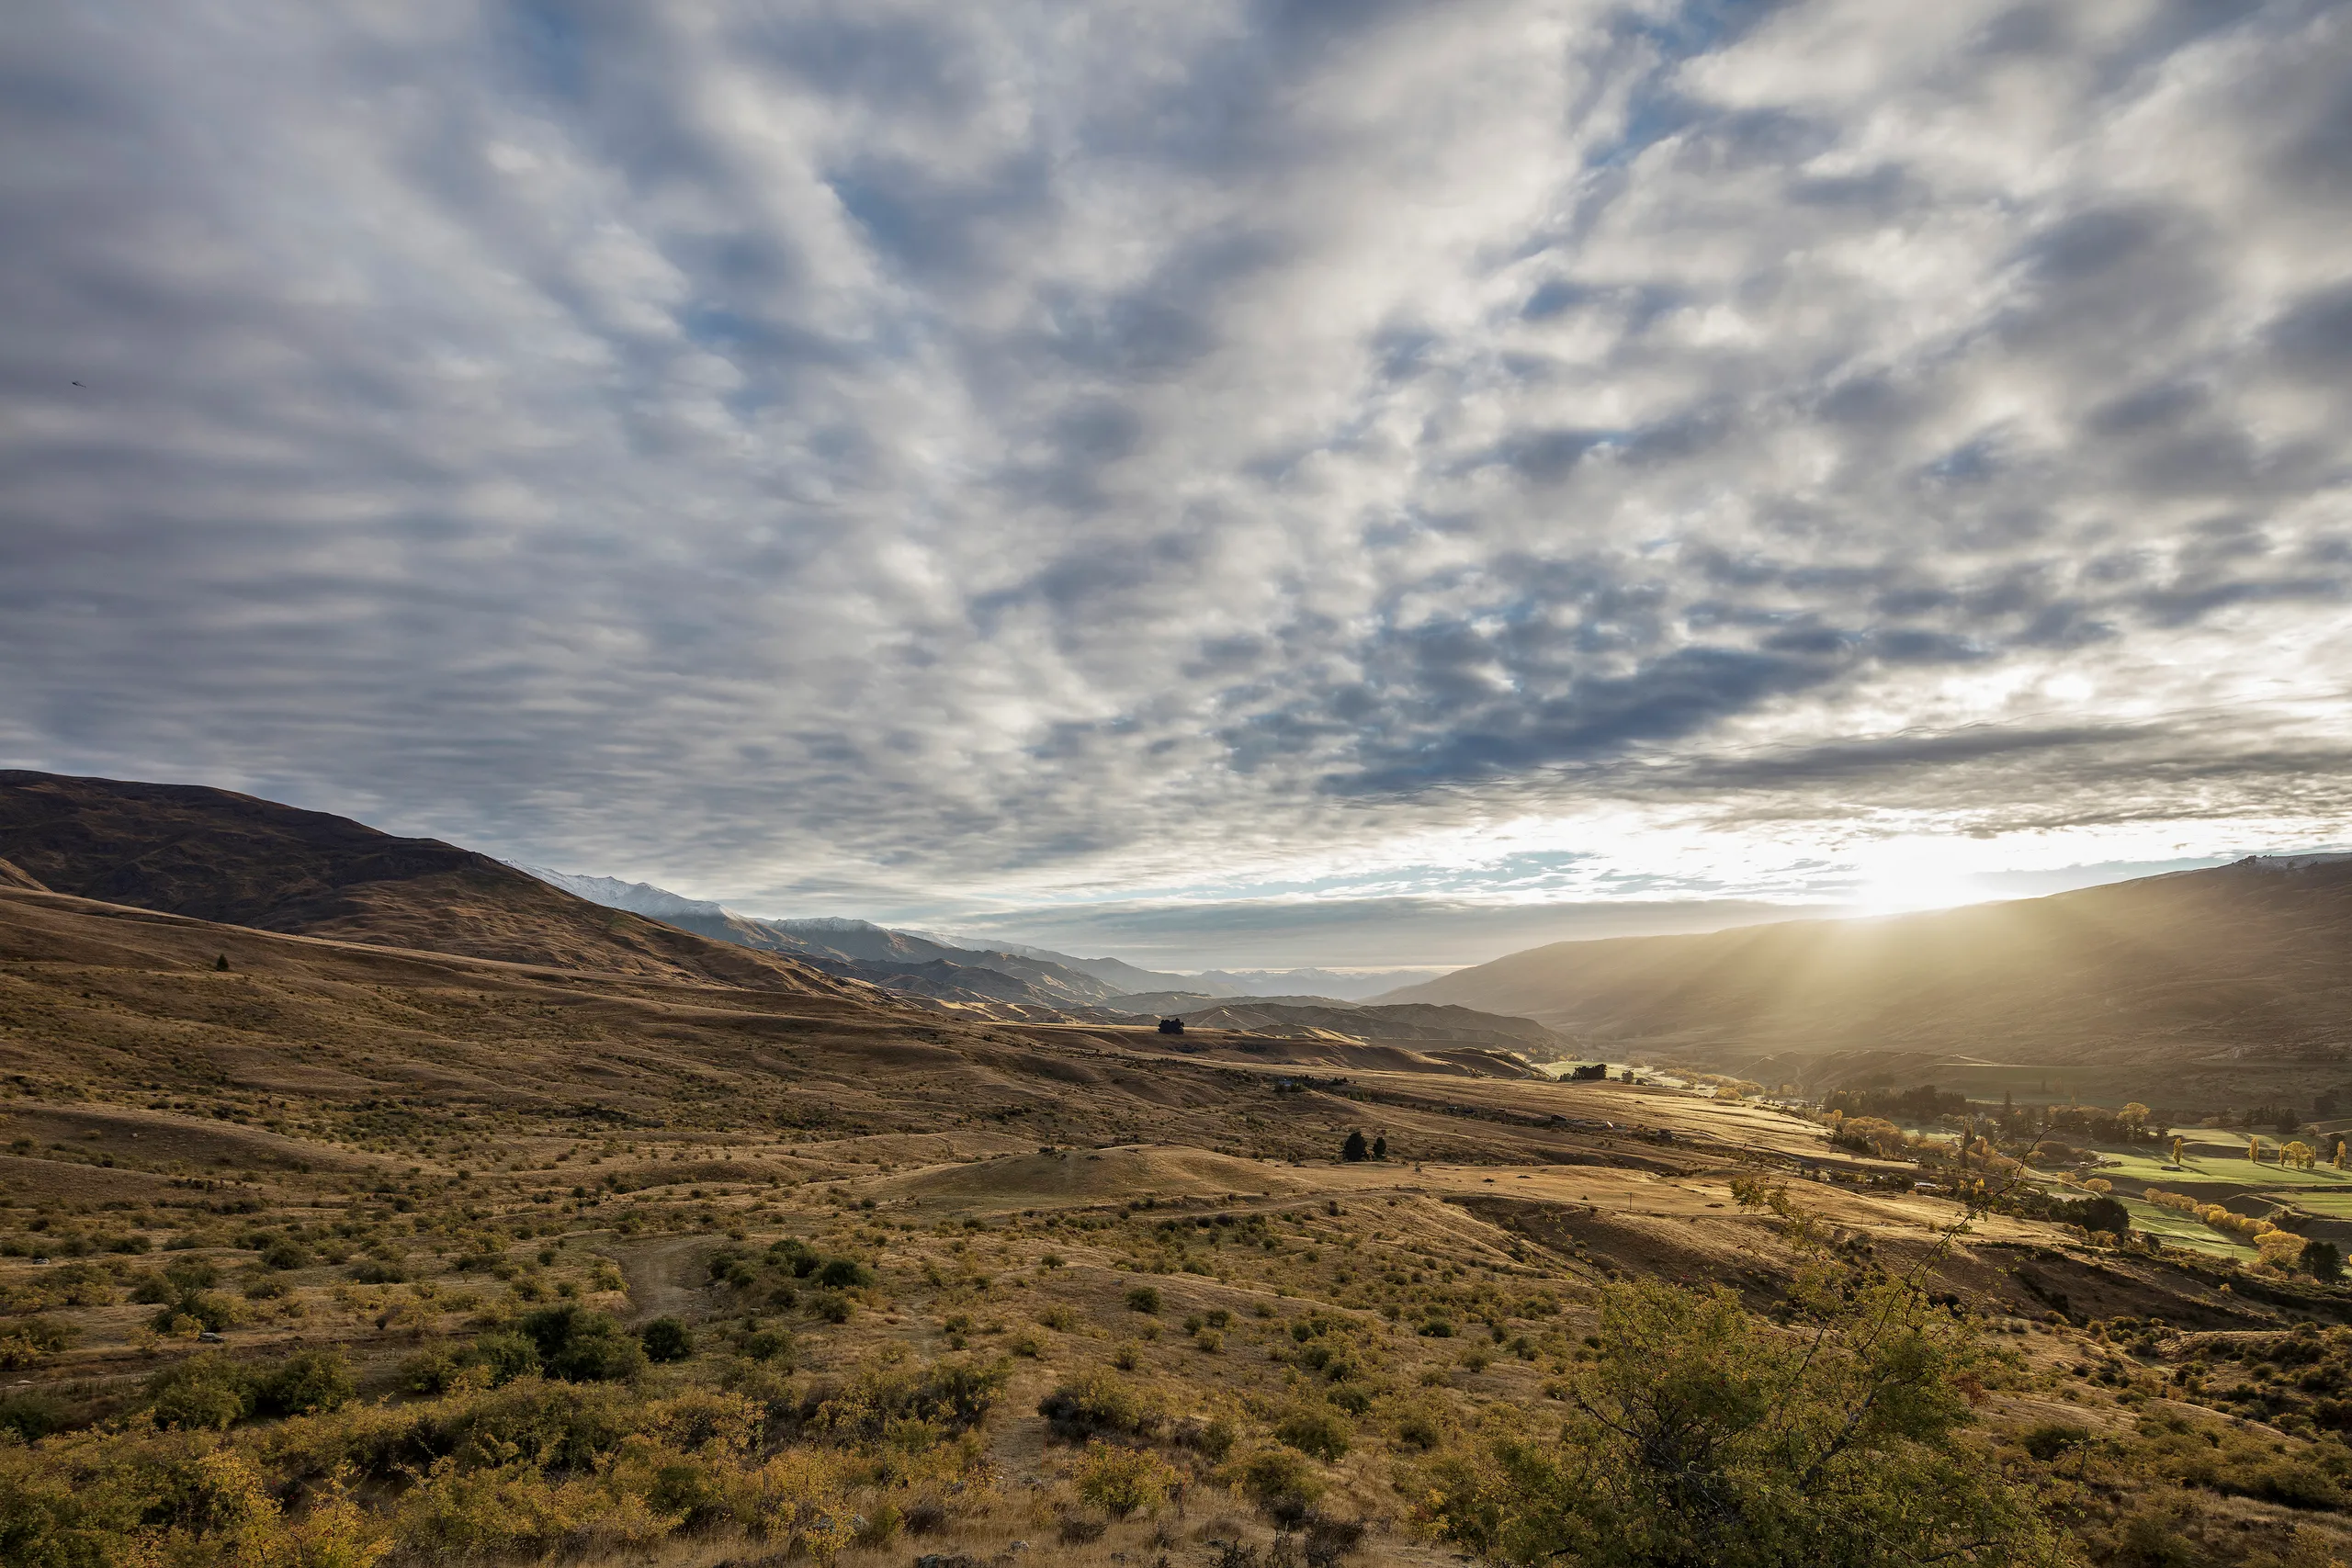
(372, 1167)
(215, 855)
(2252, 958)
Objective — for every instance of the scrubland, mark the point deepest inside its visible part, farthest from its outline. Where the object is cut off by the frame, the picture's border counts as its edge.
(341, 1256)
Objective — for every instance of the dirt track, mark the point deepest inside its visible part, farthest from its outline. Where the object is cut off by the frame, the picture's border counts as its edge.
(662, 1275)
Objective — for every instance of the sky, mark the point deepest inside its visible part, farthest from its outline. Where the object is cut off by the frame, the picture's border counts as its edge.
(1237, 484)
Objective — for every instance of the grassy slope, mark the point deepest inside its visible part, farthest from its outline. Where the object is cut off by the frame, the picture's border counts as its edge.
(2204, 965)
(454, 1140)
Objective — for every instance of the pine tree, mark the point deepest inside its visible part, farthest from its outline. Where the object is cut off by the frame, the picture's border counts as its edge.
(1355, 1148)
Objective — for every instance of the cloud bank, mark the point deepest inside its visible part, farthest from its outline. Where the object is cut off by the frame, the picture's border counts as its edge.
(940, 462)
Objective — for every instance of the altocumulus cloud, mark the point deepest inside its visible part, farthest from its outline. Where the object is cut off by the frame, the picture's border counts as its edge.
(924, 456)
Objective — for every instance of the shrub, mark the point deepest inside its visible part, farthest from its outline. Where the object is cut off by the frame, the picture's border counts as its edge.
(304, 1384)
(844, 1273)
(205, 1393)
(1316, 1432)
(770, 1344)
(1095, 1404)
(29, 1339)
(2046, 1440)
(1122, 1480)
(666, 1340)
(796, 1256)
(954, 1395)
(31, 1413)
(505, 1354)
(433, 1371)
(581, 1346)
(1703, 1433)
(1143, 1298)
(1274, 1475)
(831, 1306)
(285, 1253)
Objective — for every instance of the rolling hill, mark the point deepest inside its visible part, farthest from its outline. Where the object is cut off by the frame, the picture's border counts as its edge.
(2247, 961)
(212, 854)
(326, 1181)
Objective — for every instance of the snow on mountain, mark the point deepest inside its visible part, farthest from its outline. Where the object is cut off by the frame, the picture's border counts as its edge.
(636, 898)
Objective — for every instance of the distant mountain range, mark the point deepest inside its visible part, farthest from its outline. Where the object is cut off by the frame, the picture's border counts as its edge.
(2244, 963)
(1007, 981)
(986, 982)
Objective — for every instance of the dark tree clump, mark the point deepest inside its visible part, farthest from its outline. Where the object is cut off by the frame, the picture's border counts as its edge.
(1355, 1148)
(666, 1340)
(1171, 1026)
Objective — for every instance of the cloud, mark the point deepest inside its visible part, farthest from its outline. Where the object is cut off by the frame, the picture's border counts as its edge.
(960, 459)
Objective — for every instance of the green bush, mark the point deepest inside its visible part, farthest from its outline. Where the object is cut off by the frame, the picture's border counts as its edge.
(1703, 1433)
(1123, 1481)
(774, 1345)
(285, 1253)
(793, 1254)
(207, 1393)
(952, 1394)
(1319, 1433)
(581, 1346)
(304, 1384)
(666, 1340)
(844, 1273)
(1095, 1404)
(29, 1339)
(1274, 1475)
(433, 1371)
(31, 1413)
(1143, 1298)
(507, 1355)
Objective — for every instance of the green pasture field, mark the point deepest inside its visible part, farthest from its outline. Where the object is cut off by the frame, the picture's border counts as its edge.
(2216, 1166)
(2175, 1229)
(2327, 1205)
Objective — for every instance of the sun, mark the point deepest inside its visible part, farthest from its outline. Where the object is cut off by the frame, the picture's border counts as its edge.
(1898, 875)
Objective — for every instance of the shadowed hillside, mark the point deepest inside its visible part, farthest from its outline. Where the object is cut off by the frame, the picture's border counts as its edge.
(506, 1262)
(2252, 958)
(216, 855)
